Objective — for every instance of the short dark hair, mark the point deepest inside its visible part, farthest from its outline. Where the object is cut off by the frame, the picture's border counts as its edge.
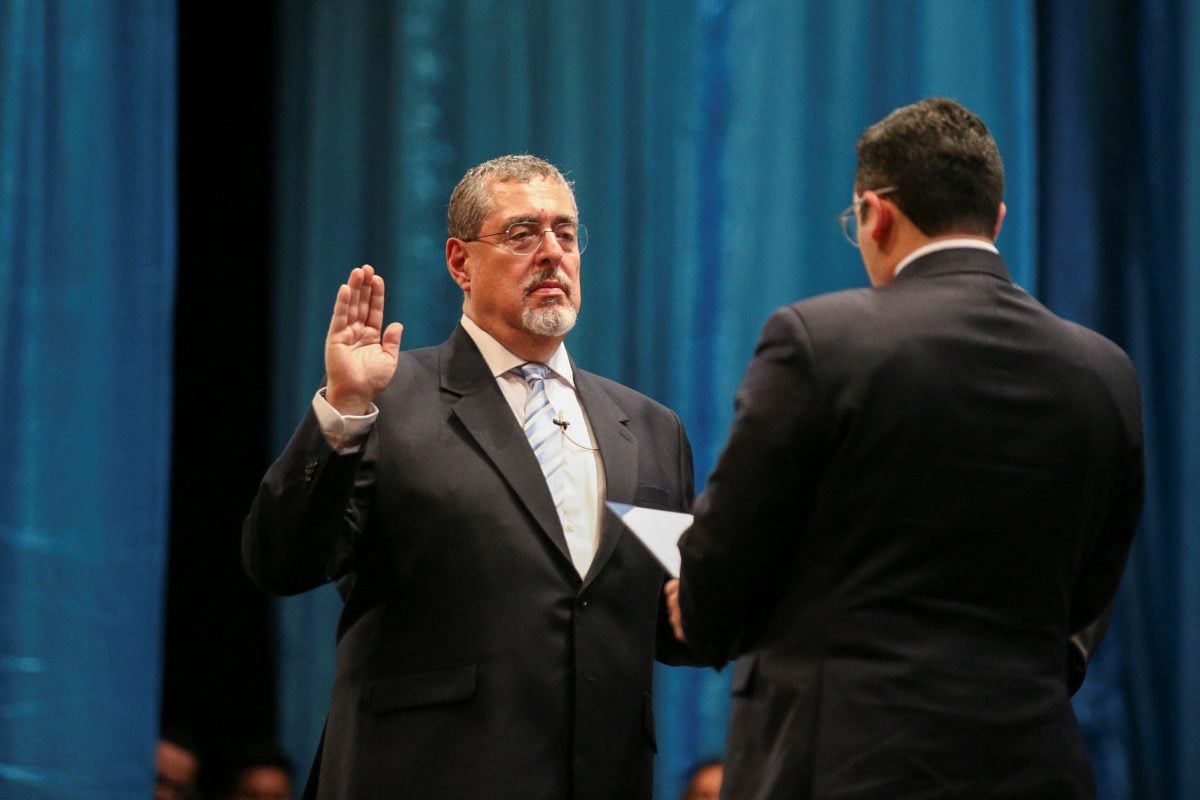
(943, 162)
(470, 202)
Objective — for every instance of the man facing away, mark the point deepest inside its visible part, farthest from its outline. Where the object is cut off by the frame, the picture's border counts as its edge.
(499, 630)
(929, 488)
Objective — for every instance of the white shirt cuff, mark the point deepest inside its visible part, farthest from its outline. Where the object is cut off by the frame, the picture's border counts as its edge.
(345, 434)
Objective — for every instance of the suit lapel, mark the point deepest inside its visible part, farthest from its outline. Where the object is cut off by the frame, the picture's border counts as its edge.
(619, 454)
(487, 419)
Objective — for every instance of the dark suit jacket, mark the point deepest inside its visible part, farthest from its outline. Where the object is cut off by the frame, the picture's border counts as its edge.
(472, 659)
(927, 489)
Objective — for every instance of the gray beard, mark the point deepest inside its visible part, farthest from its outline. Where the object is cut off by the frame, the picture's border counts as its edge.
(554, 319)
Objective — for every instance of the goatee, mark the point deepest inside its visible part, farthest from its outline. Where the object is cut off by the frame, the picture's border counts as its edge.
(553, 319)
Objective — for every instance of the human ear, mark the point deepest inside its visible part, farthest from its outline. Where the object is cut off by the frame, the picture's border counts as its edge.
(882, 213)
(456, 263)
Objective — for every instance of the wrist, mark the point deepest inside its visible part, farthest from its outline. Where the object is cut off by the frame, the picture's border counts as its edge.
(347, 404)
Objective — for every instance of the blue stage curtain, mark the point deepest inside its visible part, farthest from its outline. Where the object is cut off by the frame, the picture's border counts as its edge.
(712, 146)
(1121, 134)
(87, 270)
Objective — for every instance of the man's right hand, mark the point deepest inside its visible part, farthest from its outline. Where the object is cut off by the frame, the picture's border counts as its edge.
(360, 356)
(671, 592)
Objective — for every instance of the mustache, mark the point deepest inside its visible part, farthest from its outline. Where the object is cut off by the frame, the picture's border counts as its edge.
(551, 274)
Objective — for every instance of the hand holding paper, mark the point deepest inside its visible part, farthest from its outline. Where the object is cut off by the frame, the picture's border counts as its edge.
(671, 592)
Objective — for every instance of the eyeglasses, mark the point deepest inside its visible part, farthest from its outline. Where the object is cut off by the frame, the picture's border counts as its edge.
(848, 219)
(522, 238)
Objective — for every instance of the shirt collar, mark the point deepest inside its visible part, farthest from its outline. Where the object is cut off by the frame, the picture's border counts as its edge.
(501, 360)
(944, 244)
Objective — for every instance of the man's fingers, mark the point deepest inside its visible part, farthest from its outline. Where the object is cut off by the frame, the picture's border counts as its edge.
(391, 339)
(357, 279)
(671, 592)
(363, 312)
(341, 310)
(374, 310)
(354, 300)
(677, 629)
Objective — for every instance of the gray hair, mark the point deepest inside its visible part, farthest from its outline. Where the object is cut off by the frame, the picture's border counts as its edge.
(471, 200)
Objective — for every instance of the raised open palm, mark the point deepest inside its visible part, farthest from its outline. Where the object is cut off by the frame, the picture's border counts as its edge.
(360, 355)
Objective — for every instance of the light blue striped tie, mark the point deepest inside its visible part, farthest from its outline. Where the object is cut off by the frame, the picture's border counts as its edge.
(542, 433)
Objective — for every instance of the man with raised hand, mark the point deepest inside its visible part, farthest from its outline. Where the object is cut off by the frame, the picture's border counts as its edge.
(500, 627)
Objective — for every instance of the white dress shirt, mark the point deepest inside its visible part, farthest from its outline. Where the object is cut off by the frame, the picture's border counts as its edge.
(944, 244)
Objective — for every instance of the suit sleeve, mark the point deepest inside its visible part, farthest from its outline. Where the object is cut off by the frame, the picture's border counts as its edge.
(737, 554)
(306, 519)
(1104, 563)
(668, 649)
(1082, 645)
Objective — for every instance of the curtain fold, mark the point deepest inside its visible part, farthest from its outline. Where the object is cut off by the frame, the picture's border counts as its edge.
(87, 237)
(1121, 133)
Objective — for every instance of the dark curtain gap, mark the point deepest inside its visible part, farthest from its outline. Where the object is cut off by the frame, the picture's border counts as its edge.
(220, 661)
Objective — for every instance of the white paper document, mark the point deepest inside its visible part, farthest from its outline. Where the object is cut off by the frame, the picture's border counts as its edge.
(658, 530)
